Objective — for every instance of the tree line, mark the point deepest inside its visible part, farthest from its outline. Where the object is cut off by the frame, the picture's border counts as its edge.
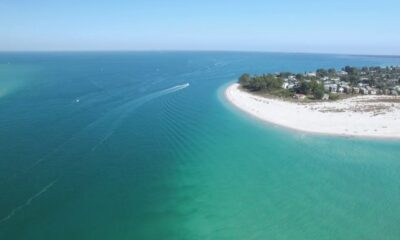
(266, 82)
(272, 83)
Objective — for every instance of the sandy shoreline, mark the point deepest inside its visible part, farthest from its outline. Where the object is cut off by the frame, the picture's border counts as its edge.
(363, 116)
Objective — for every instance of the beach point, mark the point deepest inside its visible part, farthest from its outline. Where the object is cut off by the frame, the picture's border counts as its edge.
(364, 116)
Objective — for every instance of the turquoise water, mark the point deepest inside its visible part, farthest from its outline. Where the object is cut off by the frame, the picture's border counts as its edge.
(115, 146)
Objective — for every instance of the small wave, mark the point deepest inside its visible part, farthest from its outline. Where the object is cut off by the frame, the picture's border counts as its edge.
(28, 202)
(124, 110)
(108, 119)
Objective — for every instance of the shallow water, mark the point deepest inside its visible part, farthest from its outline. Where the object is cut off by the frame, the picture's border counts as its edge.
(116, 146)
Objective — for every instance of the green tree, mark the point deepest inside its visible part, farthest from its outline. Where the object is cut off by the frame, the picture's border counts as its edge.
(332, 72)
(256, 83)
(299, 76)
(265, 82)
(365, 69)
(353, 79)
(322, 72)
(319, 91)
(284, 74)
(303, 87)
(351, 70)
(371, 81)
(244, 80)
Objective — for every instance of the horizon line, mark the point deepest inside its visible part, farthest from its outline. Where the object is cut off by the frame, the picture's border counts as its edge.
(188, 50)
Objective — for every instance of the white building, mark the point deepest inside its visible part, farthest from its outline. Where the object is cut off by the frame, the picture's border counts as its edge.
(333, 88)
(285, 85)
(311, 74)
(364, 91)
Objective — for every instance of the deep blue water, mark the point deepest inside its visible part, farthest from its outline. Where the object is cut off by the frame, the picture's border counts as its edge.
(115, 146)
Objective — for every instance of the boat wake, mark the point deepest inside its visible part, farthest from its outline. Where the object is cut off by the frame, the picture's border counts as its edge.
(127, 108)
(27, 202)
(110, 121)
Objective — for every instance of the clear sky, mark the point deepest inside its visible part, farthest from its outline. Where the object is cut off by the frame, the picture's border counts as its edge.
(337, 26)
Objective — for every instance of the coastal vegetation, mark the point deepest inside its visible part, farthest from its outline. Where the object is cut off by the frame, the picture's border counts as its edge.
(326, 84)
(272, 84)
(257, 83)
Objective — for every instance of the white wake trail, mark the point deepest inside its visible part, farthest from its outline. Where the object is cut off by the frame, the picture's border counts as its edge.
(125, 108)
(130, 106)
(27, 202)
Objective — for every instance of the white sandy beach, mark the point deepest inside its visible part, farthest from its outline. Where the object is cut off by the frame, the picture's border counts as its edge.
(368, 116)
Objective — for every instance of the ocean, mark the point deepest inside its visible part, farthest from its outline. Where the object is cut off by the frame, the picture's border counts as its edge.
(143, 145)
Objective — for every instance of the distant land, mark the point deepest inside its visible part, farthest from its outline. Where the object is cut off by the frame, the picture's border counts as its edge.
(350, 102)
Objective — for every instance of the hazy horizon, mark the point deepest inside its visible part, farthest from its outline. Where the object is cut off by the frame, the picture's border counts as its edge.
(340, 27)
(193, 51)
